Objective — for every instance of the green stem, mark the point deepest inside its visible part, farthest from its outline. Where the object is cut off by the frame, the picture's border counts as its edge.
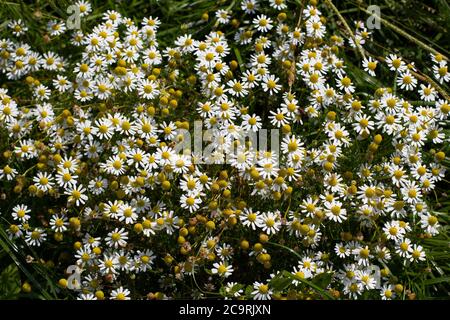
(403, 33)
(318, 289)
(346, 26)
(395, 83)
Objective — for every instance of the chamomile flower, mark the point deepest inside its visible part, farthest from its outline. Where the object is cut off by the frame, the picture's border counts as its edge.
(406, 81)
(127, 214)
(250, 219)
(117, 238)
(278, 4)
(341, 250)
(61, 83)
(20, 213)
(84, 6)
(237, 88)
(362, 255)
(366, 279)
(76, 195)
(109, 265)
(346, 84)
(395, 63)
(411, 192)
(270, 84)
(56, 28)
(223, 16)
(241, 158)
(427, 93)
(393, 231)
(50, 61)
(261, 291)
(66, 179)
(113, 17)
(17, 27)
(250, 6)
(279, 117)
(387, 292)
(403, 248)
(222, 269)
(429, 223)
(270, 222)
(144, 260)
(114, 165)
(334, 211)
(251, 78)
(262, 23)
(35, 237)
(86, 296)
(267, 168)
(398, 173)
(42, 93)
(315, 28)
(148, 89)
(251, 122)
(441, 72)
(59, 223)
(84, 256)
(43, 181)
(190, 203)
(370, 65)
(417, 253)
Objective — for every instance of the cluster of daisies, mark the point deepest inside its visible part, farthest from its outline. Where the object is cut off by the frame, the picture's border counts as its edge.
(90, 164)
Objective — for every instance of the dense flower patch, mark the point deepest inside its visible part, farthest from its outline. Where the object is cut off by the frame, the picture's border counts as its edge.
(91, 175)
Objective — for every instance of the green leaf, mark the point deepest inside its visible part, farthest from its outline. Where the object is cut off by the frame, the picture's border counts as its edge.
(311, 284)
(239, 59)
(437, 280)
(12, 250)
(236, 288)
(279, 283)
(248, 291)
(9, 283)
(322, 280)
